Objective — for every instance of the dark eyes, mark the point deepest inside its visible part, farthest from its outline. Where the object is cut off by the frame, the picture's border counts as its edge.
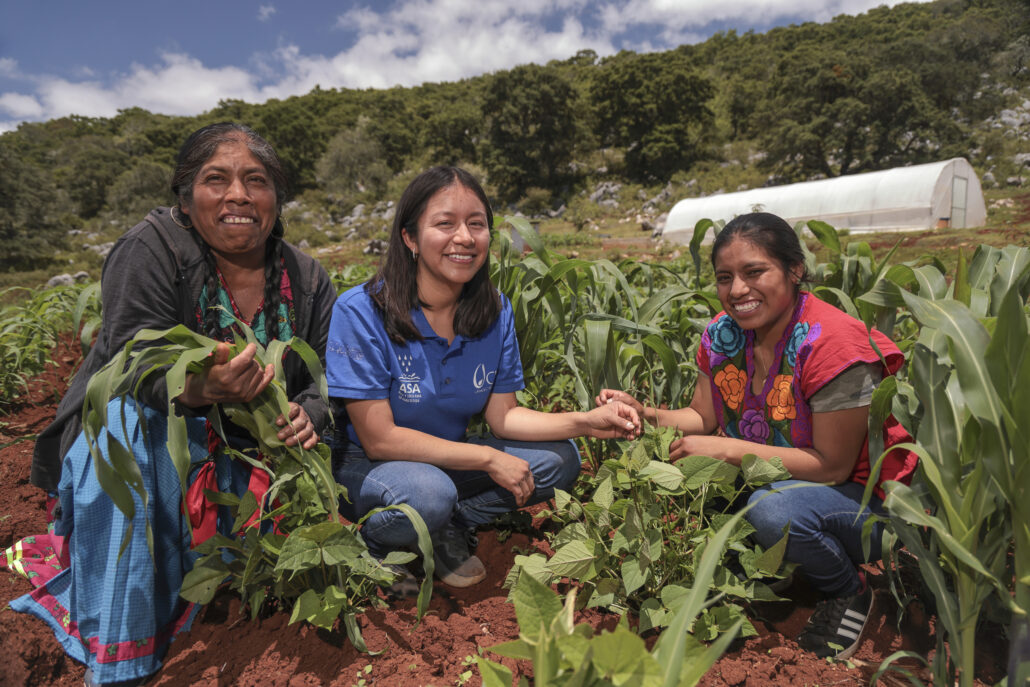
(256, 179)
(748, 274)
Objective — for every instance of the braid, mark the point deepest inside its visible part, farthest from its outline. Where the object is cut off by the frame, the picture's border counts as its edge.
(273, 279)
(212, 285)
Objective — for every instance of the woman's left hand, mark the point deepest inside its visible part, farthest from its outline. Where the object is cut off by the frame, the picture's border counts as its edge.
(298, 429)
(613, 420)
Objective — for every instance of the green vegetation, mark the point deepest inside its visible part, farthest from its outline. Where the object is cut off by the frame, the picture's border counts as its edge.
(293, 547)
(584, 324)
(566, 654)
(29, 330)
(629, 536)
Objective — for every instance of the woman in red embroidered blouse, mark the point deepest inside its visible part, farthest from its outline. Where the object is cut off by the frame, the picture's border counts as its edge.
(783, 374)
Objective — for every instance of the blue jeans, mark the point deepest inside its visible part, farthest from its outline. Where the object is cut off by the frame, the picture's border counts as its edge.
(825, 530)
(469, 498)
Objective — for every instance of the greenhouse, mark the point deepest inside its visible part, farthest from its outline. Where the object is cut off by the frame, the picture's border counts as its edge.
(939, 194)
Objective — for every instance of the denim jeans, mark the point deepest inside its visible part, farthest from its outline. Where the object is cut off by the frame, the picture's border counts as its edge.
(825, 530)
(469, 498)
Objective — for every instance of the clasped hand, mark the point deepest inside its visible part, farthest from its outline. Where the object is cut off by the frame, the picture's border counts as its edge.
(614, 419)
(240, 379)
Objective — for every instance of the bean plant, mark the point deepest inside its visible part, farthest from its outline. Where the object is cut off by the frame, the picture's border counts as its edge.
(635, 539)
(567, 655)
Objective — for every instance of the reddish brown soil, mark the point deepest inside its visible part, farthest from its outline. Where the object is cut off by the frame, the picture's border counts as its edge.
(224, 648)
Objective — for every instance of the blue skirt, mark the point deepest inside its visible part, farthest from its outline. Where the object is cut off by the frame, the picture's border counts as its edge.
(118, 614)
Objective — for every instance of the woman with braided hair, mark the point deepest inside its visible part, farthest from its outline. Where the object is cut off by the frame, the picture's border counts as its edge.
(216, 257)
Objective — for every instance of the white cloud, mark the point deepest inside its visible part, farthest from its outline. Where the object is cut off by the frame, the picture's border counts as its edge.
(21, 106)
(265, 12)
(180, 86)
(678, 15)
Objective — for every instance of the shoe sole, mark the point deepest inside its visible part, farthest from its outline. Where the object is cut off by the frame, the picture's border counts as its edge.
(451, 579)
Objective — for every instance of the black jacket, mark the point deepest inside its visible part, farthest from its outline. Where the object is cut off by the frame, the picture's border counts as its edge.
(152, 279)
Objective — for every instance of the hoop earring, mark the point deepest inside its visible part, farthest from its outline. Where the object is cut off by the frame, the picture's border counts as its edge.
(189, 222)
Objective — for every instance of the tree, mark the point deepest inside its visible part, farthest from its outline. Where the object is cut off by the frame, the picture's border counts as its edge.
(532, 129)
(91, 164)
(298, 138)
(831, 113)
(654, 105)
(139, 189)
(29, 236)
(353, 164)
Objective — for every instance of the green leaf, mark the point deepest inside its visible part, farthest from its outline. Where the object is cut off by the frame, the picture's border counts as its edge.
(200, 584)
(518, 649)
(666, 476)
(700, 470)
(493, 674)
(604, 495)
(621, 657)
(758, 471)
(826, 235)
(575, 560)
(771, 559)
(634, 574)
(536, 606)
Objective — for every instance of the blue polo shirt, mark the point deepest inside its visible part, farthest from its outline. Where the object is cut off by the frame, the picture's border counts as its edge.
(432, 387)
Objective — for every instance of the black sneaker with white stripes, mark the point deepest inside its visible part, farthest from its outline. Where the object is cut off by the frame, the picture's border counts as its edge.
(835, 628)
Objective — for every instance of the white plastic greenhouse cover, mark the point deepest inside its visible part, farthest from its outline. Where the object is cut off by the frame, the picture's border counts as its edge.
(939, 194)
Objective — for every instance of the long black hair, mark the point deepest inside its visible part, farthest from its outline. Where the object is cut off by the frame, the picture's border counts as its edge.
(394, 288)
(772, 234)
(193, 155)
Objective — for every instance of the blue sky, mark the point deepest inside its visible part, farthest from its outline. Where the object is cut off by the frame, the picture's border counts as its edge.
(92, 58)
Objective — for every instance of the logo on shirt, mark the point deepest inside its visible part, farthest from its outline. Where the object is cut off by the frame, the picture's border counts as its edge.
(481, 379)
(408, 390)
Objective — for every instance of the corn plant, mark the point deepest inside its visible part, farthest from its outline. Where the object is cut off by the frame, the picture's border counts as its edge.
(29, 331)
(596, 324)
(635, 542)
(966, 516)
(305, 555)
(567, 655)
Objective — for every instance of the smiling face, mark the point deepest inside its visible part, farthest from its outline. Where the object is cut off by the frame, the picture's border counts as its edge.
(452, 241)
(754, 288)
(233, 205)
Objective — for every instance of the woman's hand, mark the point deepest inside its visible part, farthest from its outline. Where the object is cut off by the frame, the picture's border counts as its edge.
(297, 429)
(612, 395)
(228, 381)
(683, 447)
(513, 474)
(613, 420)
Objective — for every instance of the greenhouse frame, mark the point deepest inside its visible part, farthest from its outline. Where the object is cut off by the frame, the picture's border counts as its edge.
(935, 195)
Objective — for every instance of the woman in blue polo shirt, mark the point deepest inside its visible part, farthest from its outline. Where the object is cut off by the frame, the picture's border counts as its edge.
(414, 353)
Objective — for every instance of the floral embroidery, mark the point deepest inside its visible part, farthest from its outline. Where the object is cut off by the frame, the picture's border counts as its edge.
(780, 399)
(753, 427)
(797, 337)
(731, 382)
(777, 415)
(727, 338)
